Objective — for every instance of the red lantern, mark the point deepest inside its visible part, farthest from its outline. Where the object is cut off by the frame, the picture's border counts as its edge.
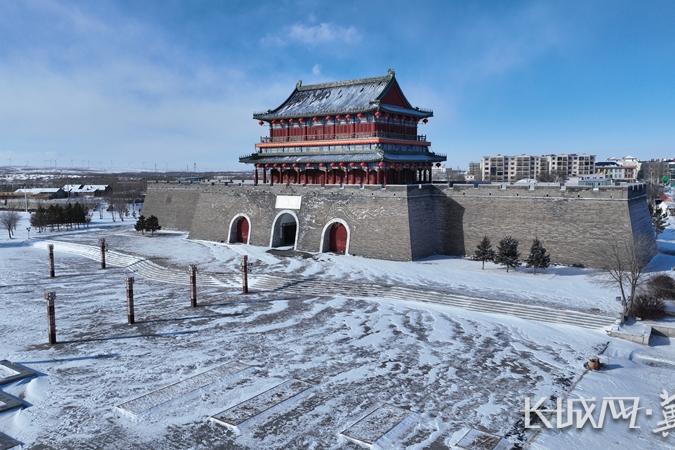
(295, 166)
(378, 114)
(342, 164)
(380, 164)
(267, 166)
(338, 117)
(348, 117)
(285, 166)
(308, 165)
(322, 165)
(363, 164)
(328, 118)
(360, 115)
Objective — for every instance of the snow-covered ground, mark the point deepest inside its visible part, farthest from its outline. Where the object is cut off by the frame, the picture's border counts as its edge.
(448, 367)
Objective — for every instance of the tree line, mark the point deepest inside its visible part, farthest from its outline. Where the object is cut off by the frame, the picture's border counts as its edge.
(507, 254)
(57, 216)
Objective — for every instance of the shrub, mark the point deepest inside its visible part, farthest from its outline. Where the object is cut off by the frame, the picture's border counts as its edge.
(662, 286)
(648, 307)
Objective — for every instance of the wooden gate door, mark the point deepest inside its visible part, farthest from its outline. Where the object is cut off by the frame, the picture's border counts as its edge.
(338, 238)
(242, 230)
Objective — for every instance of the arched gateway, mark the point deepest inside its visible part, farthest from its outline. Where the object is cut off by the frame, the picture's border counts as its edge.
(284, 230)
(335, 237)
(240, 230)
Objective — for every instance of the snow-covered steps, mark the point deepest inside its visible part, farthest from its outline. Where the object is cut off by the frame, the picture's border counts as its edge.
(7, 442)
(378, 428)
(237, 415)
(10, 372)
(524, 311)
(472, 439)
(138, 266)
(8, 402)
(145, 403)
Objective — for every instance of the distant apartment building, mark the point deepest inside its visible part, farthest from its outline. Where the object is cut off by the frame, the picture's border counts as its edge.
(624, 169)
(474, 173)
(555, 167)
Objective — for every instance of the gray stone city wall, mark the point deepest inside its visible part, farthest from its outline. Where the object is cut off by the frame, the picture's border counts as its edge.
(412, 222)
(377, 218)
(576, 225)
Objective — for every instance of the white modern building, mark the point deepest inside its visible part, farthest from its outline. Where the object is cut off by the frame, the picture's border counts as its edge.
(555, 167)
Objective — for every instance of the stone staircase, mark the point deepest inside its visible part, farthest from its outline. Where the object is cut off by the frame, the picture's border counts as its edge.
(521, 310)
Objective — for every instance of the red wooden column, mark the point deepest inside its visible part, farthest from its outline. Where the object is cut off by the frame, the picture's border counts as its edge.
(255, 174)
(264, 175)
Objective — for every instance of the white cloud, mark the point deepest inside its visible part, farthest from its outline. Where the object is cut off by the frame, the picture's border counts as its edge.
(316, 69)
(108, 98)
(313, 35)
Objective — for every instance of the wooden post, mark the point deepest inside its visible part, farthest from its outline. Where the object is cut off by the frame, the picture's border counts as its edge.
(52, 274)
(193, 285)
(256, 174)
(101, 243)
(130, 300)
(244, 273)
(51, 317)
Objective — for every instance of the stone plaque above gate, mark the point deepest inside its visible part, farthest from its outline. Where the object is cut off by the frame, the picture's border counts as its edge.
(288, 202)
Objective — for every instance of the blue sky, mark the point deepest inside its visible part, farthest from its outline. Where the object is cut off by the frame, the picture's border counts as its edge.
(129, 84)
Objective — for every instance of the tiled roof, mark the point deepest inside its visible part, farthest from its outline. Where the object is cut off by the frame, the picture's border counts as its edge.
(342, 157)
(341, 97)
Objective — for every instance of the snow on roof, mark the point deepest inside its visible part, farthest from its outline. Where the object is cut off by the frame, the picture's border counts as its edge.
(35, 191)
(84, 188)
(342, 97)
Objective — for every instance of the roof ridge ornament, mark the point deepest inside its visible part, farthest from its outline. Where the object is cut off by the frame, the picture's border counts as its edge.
(391, 72)
(298, 85)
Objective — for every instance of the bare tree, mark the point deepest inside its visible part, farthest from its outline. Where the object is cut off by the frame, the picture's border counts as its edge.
(9, 220)
(625, 262)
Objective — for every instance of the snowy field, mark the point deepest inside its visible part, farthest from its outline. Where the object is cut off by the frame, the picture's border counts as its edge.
(283, 369)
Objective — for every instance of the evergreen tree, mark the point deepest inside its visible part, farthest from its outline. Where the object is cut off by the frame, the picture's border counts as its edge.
(68, 217)
(39, 219)
(152, 224)
(539, 257)
(507, 253)
(659, 218)
(140, 224)
(484, 251)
